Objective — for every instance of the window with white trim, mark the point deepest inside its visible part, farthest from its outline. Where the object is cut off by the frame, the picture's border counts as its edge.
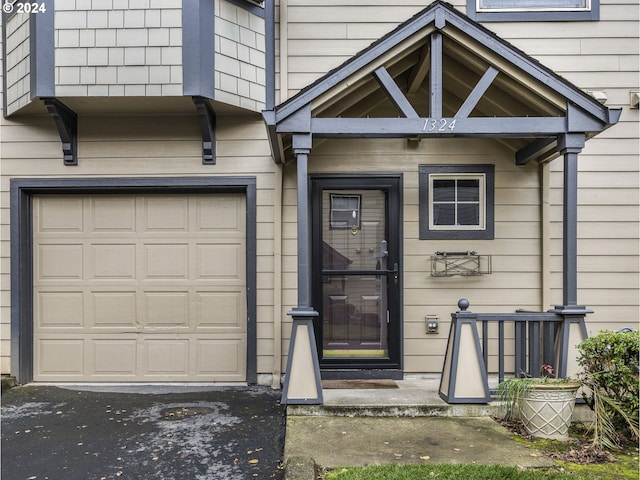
(456, 201)
(533, 10)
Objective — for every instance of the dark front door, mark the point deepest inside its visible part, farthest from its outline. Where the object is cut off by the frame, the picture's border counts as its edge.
(357, 274)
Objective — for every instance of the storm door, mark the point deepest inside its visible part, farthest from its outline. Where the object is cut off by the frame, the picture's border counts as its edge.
(356, 272)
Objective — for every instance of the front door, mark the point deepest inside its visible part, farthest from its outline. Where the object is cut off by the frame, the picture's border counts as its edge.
(356, 275)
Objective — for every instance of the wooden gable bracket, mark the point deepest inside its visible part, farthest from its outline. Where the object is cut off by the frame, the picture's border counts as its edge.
(66, 121)
(540, 148)
(207, 120)
(576, 121)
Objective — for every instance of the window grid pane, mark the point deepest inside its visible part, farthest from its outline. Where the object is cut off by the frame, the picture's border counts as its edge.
(456, 202)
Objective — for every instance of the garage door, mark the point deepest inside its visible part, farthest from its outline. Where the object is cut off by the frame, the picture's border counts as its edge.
(139, 288)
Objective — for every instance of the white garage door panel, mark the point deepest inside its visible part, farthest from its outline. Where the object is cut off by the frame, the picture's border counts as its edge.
(60, 357)
(129, 357)
(140, 288)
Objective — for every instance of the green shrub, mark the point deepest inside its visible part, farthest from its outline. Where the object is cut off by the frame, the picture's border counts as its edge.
(609, 364)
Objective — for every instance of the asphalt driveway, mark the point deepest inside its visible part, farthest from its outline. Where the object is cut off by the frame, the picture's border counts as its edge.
(142, 432)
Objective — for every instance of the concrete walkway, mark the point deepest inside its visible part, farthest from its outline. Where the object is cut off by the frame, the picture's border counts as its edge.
(408, 424)
(335, 442)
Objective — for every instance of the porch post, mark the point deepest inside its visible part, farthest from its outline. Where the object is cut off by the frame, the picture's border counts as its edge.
(302, 383)
(570, 145)
(302, 149)
(573, 329)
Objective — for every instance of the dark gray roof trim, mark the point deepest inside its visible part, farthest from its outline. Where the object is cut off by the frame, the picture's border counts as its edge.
(442, 13)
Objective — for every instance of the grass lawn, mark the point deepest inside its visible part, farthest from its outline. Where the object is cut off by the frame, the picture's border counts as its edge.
(625, 467)
(449, 472)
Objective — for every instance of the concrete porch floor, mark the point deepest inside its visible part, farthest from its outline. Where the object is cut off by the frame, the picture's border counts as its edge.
(414, 397)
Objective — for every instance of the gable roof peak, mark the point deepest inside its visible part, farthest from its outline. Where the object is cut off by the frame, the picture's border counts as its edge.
(444, 17)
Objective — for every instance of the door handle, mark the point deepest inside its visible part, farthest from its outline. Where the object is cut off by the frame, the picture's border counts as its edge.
(384, 252)
(394, 272)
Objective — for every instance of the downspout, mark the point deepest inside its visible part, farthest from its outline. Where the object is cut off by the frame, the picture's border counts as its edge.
(277, 204)
(277, 278)
(545, 238)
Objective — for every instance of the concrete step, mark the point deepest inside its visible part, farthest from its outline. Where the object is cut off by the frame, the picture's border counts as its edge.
(411, 398)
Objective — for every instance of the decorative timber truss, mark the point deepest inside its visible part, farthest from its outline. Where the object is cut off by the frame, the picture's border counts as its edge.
(438, 75)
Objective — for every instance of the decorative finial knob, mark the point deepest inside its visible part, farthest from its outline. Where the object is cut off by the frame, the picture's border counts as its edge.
(463, 304)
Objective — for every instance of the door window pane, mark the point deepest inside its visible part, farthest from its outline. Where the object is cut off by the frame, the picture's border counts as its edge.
(355, 245)
(354, 320)
(354, 295)
(345, 211)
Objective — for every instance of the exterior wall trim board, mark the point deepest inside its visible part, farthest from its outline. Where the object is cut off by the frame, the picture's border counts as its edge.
(198, 48)
(42, 38)
(5, 17)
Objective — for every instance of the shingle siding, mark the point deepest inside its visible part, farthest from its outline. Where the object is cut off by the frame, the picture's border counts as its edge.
(18, 65)
(125, 36)
(239, 56)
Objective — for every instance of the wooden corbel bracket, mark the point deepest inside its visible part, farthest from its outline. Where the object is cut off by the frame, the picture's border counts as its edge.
(207, 119)
(66, 121)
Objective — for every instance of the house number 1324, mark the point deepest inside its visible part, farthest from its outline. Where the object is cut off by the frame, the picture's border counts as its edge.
(438, 125)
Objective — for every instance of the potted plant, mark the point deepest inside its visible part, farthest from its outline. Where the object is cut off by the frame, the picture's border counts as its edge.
(544, 404)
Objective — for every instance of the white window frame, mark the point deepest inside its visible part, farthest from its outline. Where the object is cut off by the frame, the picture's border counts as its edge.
(533, 11)
(482, 200)
(426, 228)
(534, 6)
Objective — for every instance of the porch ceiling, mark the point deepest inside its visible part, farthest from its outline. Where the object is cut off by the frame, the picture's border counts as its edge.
(441, 66)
